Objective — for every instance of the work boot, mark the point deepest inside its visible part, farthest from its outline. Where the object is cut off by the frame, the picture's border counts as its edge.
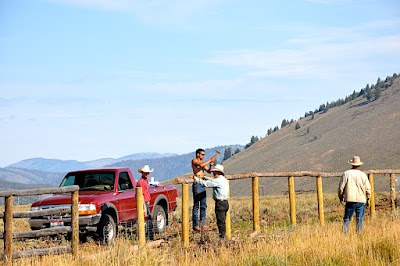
(196, 229)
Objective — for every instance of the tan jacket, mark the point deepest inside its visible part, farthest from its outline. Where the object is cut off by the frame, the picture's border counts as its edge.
(354, 187)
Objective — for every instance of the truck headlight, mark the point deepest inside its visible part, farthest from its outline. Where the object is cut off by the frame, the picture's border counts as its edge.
(87, 209)
(35, 208)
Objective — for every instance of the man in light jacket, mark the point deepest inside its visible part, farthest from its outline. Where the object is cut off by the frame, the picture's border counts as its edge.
(220, 187)
(355, 190)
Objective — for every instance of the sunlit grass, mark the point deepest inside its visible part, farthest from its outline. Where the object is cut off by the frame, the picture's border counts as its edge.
(278, 243)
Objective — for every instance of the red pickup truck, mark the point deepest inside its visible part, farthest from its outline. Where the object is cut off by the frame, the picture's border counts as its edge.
(107, 198)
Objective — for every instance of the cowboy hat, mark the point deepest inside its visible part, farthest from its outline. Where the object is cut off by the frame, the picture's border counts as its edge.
(218, 168)
(145, 169)
(356, 161)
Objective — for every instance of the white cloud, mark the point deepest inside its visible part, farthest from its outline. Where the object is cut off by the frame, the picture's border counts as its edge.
(321, 52)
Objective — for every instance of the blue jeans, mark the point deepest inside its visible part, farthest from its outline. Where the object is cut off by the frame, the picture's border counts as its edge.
(352, 207)
(149, 224)
(199, 201)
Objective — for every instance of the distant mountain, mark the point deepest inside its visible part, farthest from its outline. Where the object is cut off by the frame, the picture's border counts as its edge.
(6, 185)
(28, 176)
(169, 167)
(63, 166)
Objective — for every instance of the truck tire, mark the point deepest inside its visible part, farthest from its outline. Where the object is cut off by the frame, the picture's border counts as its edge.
(159, 219)
(107, 229)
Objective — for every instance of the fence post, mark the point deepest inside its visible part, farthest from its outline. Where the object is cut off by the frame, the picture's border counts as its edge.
(140, 216)
(256, 210)
(8, 229)
(75, 223)
(393, 191)
(372, 204)
(228, 217)
(320, 197)
(292, 200)
(185, 215)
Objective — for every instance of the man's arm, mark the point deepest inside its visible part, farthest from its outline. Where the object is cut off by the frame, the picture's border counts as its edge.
(341, 187)
(207, 182)
(208, 169)
(197, 162)
(367, 188)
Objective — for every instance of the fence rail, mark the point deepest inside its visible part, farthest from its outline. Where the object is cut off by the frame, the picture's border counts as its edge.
(8, 216)
(290, 175)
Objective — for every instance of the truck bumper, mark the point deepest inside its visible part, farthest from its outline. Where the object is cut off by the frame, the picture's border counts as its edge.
(85, 222)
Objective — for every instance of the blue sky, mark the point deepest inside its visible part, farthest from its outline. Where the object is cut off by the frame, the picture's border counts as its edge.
(87, 79)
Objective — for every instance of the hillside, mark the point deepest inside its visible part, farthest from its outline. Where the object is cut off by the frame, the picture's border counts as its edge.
(325, 143)
(170, 167)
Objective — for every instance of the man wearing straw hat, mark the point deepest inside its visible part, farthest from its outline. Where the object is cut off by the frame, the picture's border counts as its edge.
(144, 183)
(220, 187)
(355, 190)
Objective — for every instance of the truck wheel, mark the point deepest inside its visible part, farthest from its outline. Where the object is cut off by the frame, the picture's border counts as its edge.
(160, 219)
(107, 229)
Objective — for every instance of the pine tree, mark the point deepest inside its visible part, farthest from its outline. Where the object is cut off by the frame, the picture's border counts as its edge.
(237, 151)
(297, 126)
(284, 123)
(369, 94)
(227, 153)
(378, 93)
(326, 107)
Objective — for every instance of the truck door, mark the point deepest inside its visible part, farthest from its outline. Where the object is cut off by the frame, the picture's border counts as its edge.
(126, 198)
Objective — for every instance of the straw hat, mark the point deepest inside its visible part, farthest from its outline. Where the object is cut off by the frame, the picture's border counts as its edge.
(145, 169)
(356, 161)
(218, 168)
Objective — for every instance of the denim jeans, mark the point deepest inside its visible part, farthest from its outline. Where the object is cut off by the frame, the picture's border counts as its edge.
(149, 224)
(199, 201)
(352, 207)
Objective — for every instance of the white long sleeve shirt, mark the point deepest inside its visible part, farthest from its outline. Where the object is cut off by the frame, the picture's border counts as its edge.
(219, 184)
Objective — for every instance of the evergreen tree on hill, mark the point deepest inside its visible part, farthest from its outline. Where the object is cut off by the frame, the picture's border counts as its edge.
(369, 94)
(378, 93)
(227, 153)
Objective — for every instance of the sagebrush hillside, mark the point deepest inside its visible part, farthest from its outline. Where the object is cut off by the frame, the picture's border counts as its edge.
(325, 142)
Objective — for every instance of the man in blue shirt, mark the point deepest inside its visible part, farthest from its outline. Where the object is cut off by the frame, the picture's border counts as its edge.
(220, 187)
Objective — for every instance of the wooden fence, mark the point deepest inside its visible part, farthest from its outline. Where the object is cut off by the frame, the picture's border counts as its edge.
(8, 216)
(290, 175)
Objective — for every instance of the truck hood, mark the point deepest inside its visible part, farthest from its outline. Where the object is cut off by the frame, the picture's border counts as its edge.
(85, 197)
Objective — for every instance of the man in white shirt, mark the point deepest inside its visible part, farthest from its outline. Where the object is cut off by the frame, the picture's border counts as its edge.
(355, 190)
(220, 187)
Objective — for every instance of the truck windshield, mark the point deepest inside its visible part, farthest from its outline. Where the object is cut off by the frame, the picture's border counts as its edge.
(104, 180)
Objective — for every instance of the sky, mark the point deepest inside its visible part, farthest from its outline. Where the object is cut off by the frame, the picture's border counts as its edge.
(89, 79)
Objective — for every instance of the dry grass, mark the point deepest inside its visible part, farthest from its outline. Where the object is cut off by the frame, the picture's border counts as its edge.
(279, 243)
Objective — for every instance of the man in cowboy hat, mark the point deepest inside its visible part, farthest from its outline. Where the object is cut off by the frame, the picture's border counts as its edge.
(220, 187)
(199, 192)
(144, 183)
(355, 190)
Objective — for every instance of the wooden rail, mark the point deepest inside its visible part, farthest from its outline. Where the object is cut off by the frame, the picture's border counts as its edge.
(290, 175)
(9, 215)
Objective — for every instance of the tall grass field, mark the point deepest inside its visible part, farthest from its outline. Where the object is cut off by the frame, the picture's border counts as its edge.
(279, 243)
